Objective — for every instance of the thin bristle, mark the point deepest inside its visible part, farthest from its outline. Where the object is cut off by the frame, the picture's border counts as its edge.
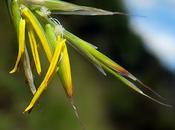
(161, 103)
(77, 114)
(150, 89)
(126, 14)
(142, 84)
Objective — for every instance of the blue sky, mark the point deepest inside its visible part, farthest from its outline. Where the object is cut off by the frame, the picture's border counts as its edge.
(157, 28)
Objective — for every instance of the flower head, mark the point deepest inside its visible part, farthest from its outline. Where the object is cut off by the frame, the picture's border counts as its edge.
(33, 21)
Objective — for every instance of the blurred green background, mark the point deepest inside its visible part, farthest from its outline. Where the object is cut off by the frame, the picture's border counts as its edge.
(104, 103)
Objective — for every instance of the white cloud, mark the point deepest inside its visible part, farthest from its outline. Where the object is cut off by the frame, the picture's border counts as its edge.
(142, 3)
(159, 42)
(157, 29)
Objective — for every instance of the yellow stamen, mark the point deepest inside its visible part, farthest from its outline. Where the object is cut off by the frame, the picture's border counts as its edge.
(65, 73)
(38, 29)
(21, 41)
(52, 68)
(34, 49)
